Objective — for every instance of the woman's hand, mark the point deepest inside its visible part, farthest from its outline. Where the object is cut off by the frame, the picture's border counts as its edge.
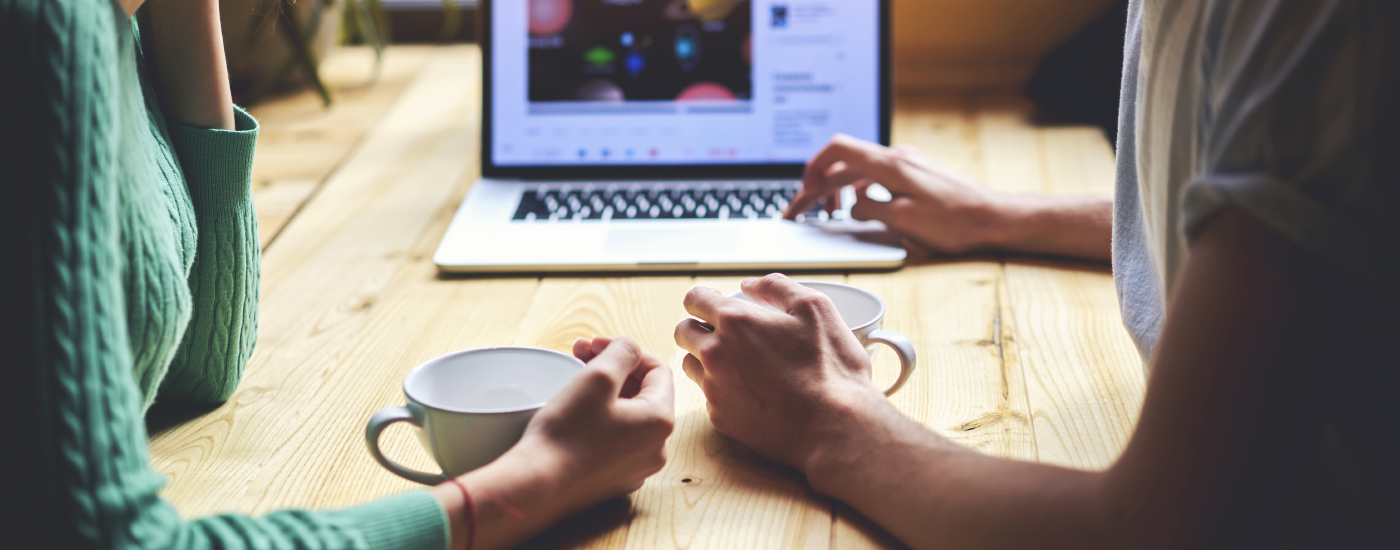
(606, 431)
(598, 438)
(781, 382)
(935, 207)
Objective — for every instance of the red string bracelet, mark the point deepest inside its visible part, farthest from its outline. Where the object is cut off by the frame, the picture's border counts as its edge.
(471, 509)
(517, 514)
(471, 512)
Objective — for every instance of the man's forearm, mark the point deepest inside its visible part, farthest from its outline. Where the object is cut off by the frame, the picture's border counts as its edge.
(1079, 226)
(930, 492)
(191, 71)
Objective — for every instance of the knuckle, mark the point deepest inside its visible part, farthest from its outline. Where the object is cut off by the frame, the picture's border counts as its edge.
(628, 344)
(705, 351)
(729, 316)
(770, 280)
(894, 160)
(812, 303)
(693, 295)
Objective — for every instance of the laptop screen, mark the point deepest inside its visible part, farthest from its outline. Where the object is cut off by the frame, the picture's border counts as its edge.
(637, 83)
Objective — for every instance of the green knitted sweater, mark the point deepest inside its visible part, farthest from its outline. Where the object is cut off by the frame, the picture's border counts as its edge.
(132, 276)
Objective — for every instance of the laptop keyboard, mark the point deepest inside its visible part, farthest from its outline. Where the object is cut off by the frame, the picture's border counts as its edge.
(622, 202)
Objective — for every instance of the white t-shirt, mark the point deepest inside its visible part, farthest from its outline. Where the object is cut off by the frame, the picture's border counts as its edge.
(1273, 106)
(1288, 110)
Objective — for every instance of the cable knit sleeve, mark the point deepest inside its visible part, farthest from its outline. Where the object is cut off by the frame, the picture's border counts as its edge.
(77, 459)
(223, 281)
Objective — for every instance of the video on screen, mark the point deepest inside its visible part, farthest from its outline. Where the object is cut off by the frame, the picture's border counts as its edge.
(640, 50)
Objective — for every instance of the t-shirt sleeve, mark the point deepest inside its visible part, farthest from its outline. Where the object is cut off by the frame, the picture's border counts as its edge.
(1295, 116)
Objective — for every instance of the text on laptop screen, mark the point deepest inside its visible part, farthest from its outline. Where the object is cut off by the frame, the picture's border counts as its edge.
(624, 82)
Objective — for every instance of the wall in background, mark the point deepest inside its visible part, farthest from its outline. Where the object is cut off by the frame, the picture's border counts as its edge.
(957, 45)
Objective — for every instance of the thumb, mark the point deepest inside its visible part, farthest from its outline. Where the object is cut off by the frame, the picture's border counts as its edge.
(866, 208)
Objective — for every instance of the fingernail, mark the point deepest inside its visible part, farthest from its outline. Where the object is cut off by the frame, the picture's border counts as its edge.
(750, 280)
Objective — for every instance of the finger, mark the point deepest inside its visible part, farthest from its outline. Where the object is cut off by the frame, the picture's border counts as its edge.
(841, 149)
(618, 360)
(836, 156)
(600, 343)
(645, 364)
(693, 369)
(837, 178)
(583, 350)
(842, 162)
(658, 392)
(777, 290)
(704, 302)
(867, 208)
(690, 335)
(833, 178)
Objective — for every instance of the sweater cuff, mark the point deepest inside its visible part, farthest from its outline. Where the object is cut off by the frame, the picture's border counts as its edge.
(218, 164)
(409, 521)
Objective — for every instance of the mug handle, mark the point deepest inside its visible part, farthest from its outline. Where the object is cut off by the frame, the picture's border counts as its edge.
(377, 423)
(903, 348)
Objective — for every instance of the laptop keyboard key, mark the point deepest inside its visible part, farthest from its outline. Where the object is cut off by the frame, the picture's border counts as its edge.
(637, 202)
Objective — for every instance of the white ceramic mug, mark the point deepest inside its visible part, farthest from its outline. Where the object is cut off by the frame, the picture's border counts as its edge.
(471, 406)
(864, 312)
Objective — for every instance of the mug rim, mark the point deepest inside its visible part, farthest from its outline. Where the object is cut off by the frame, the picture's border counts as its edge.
(878, 316)
(579, 363)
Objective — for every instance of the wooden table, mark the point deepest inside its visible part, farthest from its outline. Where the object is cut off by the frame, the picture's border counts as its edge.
(1018, 357)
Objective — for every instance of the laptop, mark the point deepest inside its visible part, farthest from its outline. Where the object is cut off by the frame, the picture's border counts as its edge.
(669, 135)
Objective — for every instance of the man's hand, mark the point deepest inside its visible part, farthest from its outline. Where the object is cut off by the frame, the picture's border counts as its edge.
(781, 382)
(948, 213)
(931, 205)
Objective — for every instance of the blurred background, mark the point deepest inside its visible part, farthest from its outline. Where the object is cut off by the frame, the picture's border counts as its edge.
(1064, 55)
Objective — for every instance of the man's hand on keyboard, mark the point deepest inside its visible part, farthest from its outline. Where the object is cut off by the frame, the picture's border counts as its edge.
(929, 204)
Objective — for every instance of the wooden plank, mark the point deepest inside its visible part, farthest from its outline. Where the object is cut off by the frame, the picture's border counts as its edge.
(1083, 376)
(644, 308)
(951, 310)
(735, 498)
(301, 141)
(311, 382)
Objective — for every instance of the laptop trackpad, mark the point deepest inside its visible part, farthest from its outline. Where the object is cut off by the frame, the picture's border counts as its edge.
(687, 244)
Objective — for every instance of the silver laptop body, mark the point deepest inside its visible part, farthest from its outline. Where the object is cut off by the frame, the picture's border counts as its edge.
(642, 136)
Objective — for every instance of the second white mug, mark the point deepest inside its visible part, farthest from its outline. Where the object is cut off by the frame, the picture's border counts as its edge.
(864, 312)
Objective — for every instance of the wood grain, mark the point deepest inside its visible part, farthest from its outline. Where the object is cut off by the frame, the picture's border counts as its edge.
(301, 142)
(1021, 358)
(952, 311)
(734, 498)
(1083, 375)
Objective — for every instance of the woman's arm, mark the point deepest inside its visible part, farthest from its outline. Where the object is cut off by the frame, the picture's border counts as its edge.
(184, 54)
(188, 54)
(1242, 326)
